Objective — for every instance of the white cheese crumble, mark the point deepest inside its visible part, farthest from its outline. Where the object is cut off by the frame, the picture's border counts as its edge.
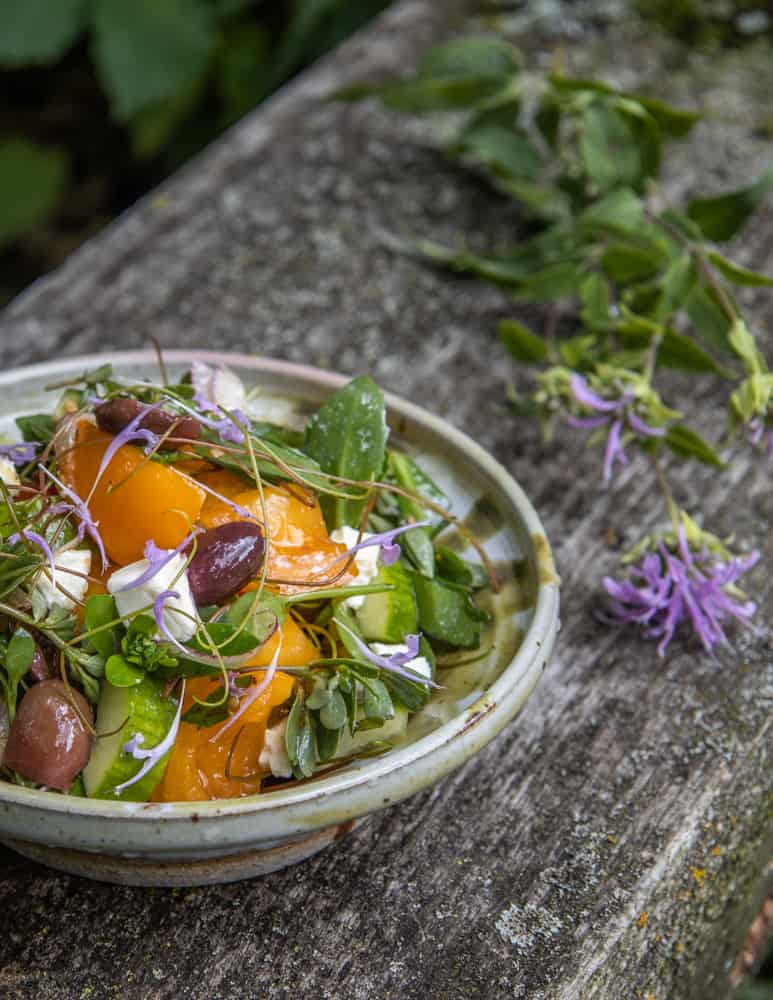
(274, 753)
(220, 385)
(179, 612)
(78, 560)
(419, 664)
(8, 472)
(276, 410)
(366, 560)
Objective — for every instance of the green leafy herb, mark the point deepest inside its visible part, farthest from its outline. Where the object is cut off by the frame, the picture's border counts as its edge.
(347, 437)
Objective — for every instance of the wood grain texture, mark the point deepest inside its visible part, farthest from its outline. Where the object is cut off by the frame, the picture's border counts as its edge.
(613, 842)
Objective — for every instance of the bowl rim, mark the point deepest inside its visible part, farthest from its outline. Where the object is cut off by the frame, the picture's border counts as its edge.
(351, 792)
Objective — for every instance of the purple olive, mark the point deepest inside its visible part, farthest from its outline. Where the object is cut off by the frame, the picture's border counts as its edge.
(115, 414)
(47, 742)
(227, 557)
(40, 669)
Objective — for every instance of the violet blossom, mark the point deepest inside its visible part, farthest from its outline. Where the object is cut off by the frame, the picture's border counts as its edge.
(390, 549)
(158, 558)
(395, 662)
(756, 431)
(667, 588)
(79, 508)
(21, 453)
(130, 433)
(152, 755)
(616, 414)
(40, 542)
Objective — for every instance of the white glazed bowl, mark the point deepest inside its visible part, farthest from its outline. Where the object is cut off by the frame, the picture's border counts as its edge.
(219, 841)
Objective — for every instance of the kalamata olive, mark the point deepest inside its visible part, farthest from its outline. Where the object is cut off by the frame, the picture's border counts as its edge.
(115, 414)
(47, 742)
(39, 668)
(226, 558)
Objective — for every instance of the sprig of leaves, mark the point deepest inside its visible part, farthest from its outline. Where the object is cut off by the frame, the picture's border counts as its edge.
(632, 285)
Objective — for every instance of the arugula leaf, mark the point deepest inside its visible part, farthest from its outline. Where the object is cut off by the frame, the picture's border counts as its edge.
(347, 437)
(417, 543)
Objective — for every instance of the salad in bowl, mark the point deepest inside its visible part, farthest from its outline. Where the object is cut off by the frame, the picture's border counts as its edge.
(200, 601)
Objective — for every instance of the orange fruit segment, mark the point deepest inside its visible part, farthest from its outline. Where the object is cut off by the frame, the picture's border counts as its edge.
(300, 548)
(135, 500)
(197, 767)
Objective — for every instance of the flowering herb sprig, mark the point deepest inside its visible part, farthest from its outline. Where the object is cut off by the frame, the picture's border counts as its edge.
(632, 285)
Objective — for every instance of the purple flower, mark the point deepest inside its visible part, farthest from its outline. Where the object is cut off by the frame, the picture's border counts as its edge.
(41, 543)
(157, 558)
(225, 427)
(251, 694)
(152, 755)
(616, 414)
(756, 430)
(22, 453)
(131, 432)
(390, 550)
(395, 662)
(667, 588)
(81, 511)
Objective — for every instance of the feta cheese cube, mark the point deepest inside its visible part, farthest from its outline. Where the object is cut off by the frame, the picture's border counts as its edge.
(274, 753)
(366, 560)
(419, 664)
(53, 591)
(8, 472)
(180, 617)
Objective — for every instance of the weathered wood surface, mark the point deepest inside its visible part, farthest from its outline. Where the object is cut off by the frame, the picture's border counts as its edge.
(611, 843)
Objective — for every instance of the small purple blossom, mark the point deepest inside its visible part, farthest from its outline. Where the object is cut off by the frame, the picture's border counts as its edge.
(152, 755)
(390, 549)
(616, 414)
(158, 614)
(667, 588)
(157, 558)
(757, 431)
(225, 427)
(41, 543)
(253, 693)
(77, 507)
(131, 432)
(22, 453)
(395, 662)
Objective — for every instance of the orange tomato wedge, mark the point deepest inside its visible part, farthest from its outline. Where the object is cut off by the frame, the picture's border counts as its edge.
(135, 499)
(201, 757)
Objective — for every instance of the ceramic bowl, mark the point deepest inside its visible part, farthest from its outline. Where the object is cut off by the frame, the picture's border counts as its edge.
(203, 842)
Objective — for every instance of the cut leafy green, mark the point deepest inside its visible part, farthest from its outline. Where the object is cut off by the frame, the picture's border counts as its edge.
(347, 438)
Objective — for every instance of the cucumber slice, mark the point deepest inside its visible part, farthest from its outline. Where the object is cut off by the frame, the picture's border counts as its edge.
(141, 709)
(390, 616)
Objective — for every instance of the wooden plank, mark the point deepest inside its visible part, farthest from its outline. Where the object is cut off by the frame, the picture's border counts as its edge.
(613, 842)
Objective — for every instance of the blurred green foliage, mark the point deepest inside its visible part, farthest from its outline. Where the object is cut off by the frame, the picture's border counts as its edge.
(171, 74)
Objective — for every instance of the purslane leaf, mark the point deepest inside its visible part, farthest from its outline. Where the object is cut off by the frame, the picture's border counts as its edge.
(521, 342)
(721, 217)
(688, 444)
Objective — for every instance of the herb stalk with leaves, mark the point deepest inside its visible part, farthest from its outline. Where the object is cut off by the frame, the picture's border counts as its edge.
(631, 284)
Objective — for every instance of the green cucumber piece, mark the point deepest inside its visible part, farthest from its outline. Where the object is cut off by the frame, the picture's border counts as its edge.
(391, 615)
(141, 709)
